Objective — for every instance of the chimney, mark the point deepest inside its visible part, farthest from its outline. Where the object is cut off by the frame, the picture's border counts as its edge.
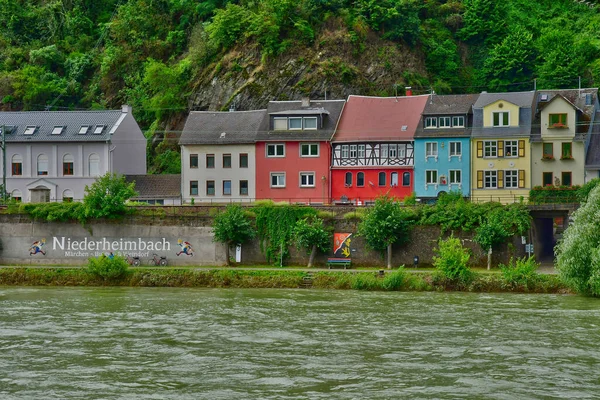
(408, 90)
(125, 108)
(306, 102)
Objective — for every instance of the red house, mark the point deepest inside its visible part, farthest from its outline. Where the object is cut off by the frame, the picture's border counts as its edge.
(372, 149)
(293, 154)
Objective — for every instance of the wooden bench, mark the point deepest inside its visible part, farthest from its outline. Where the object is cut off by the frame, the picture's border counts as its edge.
(334, 262)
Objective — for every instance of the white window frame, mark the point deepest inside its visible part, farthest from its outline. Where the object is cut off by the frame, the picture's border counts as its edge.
(307, 175)
(430, 122)
(452, 152)
(445, 122)
(401, 151)
(453, 174)
(290, 123)
(458, 121)
(392, 150)
(275, 146)
(384, 151)
(353, 151)
(393, 179)
(98, 129)
(84, 129)
(43, 165)
(96, 164)
(431, 177)
(514, 145)
(514, 177)
(280, 119)
(362, 151)
(309, 147)
(279, 175)
(57, 130)
(30, 130)
(492, 145)
(307, 119)
(431, 150)
(345, 152)
(500, 118)
(493, 179)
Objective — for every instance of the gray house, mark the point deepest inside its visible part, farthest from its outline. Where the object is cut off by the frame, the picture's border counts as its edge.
(53, 155)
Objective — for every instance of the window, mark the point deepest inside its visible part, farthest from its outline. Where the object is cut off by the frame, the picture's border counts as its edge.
(345, 153)
(226, 160)
(431, 122)
(431, 149)
(406, 179)
(384, 151)
(490, 179)
(243, 160)
(361, 151)
(67, 196)
(276, 150)
(392, 151)
(458, 121)
(455, 176)
(382, 179)
(84, 129)
(455, 149)
(57, 130)
(277, 179)
(360, 179)
(566, 152)
(16, 195)
(444, 122)
(94, 164)
(310, 123)
(42, 164)
(548, 150)
(511, 179)
(557, 120)
(194, 188)
(566, 179)
(226, 188)
(99, 129)
(210, 188)
(394, 179)
(210, 161)
(280, 124)
(511, 148)
(193, 160)
(29, 130)
(295, 123)
(17, 165)
(309, 150)
(547, 178)
(431, 177)
(490, 148)
(307, 179)
(353, 151)
(401, 150)
(68, 164)
(243, 188)
(500, 118)
(348, 179)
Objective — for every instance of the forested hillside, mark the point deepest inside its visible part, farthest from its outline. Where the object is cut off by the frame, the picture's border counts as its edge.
(165, 57)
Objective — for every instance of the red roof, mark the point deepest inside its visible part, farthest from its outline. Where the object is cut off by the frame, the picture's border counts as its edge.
(380, 118)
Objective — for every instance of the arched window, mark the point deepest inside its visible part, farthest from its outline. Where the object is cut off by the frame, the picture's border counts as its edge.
(348, 179)
(42, 164)
(394, 179)
(16, 195)
(382, 179)
(67, 195)
(360, 179)
(17, 165)
(94, 165)
(406, 179)
(68, 164)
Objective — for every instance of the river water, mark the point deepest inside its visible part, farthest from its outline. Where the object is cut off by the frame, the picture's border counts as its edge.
(157, 343)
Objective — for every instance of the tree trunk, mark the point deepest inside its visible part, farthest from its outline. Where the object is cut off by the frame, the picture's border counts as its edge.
(389, 256)
(489, 266)
(311, 259)
(227, 254)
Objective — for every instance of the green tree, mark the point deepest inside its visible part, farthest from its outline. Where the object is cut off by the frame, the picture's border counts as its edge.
(384, 224)
(311, 235)
(232, 227)
(451, 261)
(484, 21)
(106, 197)
(578, 253)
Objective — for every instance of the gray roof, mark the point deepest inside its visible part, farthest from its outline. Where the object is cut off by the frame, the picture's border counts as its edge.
(156, 186)
(450, 104)
(521, 99)
(330, 110)
(212, 127)
(72, 121)
(592, 158)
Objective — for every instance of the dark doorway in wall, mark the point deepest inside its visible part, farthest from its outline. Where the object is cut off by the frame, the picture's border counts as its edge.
(544, 240)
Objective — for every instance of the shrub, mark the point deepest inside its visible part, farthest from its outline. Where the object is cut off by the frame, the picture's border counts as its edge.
(584, 191)
(107, 267)
(522, 273)
(451, 261)
(395, 280)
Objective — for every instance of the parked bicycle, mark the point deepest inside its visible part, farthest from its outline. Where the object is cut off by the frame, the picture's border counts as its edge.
(135, 261)
(159, 260)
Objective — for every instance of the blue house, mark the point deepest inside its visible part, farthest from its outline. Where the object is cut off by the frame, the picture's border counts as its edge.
(442, 146)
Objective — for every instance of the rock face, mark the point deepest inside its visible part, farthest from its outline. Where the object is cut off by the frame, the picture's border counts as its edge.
(333, 68)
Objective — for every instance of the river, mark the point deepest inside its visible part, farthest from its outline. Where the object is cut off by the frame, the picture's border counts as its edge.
(157, 343)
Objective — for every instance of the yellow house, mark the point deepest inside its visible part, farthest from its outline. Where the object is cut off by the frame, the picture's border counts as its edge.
(500, 147)
(558, 137)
